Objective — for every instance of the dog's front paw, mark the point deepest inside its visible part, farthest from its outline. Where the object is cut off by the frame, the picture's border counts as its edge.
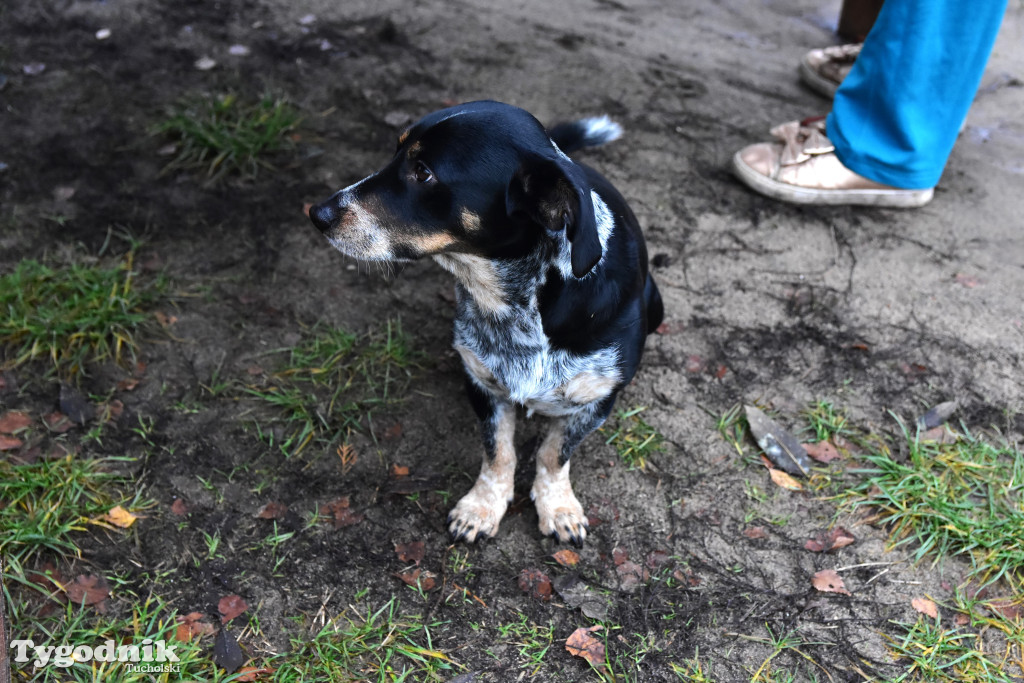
(476, 516)
(560, 514)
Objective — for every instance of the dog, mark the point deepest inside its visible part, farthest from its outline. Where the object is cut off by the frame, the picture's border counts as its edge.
(553, 296)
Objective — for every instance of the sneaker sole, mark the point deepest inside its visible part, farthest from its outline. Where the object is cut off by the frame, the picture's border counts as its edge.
(894, 198)
(816, 81)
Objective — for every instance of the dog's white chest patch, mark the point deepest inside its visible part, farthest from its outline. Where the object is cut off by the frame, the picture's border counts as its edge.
(517, 364)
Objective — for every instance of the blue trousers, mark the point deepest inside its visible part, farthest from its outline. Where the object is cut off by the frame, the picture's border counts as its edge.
(897, 114)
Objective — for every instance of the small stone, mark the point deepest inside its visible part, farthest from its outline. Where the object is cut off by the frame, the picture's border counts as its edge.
(103, 34)
(205, 63)
(239, 50)
(308, 19)
(33, 69)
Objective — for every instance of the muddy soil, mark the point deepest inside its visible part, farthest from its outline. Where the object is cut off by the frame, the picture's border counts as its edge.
(873, 310)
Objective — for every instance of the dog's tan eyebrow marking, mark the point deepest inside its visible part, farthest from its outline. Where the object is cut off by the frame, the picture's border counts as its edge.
(404, 136)
(470, 220)
(414, 149)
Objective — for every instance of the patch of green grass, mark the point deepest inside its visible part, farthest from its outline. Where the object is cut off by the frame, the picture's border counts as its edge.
(962, 498)
(826, 421)
(332, 383)
(224, 136)
(935, 654)
(73, 626)
(47, 502)
(634, 439)
(71, 315)
(531, 640)
(732, 425)
(383, 645)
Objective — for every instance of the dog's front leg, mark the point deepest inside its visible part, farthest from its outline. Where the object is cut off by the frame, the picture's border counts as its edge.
(559, 512)
(480, 510)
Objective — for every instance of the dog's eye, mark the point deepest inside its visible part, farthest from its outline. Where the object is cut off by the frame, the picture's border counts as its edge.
(421, 173)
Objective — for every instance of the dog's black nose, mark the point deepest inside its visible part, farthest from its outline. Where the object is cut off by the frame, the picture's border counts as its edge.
(324, 215)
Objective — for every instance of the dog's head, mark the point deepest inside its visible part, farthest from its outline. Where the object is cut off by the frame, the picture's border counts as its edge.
(481, 178)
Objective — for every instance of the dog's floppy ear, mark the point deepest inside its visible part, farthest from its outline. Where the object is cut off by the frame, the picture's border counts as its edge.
(553, 193)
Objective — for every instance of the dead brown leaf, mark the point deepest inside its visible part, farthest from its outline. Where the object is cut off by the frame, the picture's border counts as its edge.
(164, 319)
(833, 539)
(784, 480)
(14, 421)
(822, 451)
(88, 589)
(566, 557)
(412, 551)
(582, 643)
(120, 517)
(190, 626)
(340, 513)
(58, 422)
(828, 581)
(536, 583)
(755, 532)
(631, 575)
(349, 457)
(179, 507)
(1008, 608)
(425, 580)
(128, 384)
(398, 471)
(272, 510)
(230, 606)
(619, 555)
(9, 443)
(251, 673)
(926, 607)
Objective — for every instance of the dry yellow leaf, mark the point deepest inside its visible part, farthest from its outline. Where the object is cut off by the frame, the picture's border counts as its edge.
(784, 480)
(118, 516)
(925, 606)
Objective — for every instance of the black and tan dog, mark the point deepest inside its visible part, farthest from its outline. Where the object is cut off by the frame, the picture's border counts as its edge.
(554, 301)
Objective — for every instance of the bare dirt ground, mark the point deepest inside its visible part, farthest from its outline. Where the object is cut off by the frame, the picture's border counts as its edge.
(872, 310)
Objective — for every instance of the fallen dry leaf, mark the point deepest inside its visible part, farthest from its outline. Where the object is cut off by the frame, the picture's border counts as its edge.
(1007, 607)
(164, 319)
(583, 644)
(14, 421)
(566, 557)
(536, 583)
(780, 478)
(347, 455)
(755, 532)
(272, 510)
(393, 432)
(120, 517)
(128, 384)
(399, 471)
(340, 513)
(58, 422)
(965, 280)
(926, 607)
(190, 626)
(828, 581)
(425, 580)
(619, 555)
(251, 673)
(412, 551)
(822, 451)
(88, 590)
(694, 364)
(656, 558)
(9, 443)
(230, 606)
(833, 539)
(179, 507)
(631, 575)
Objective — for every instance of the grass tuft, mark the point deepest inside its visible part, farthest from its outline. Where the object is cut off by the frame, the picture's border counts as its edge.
(962, 498)
(634, 439)
(332, 383)
(223, 136)
(45, 503)
(71, 315)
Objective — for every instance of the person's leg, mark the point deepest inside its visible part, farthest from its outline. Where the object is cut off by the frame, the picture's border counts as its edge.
(896, 115)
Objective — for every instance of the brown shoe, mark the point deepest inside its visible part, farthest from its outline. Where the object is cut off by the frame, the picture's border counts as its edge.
(803, 168)
(823, 70)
